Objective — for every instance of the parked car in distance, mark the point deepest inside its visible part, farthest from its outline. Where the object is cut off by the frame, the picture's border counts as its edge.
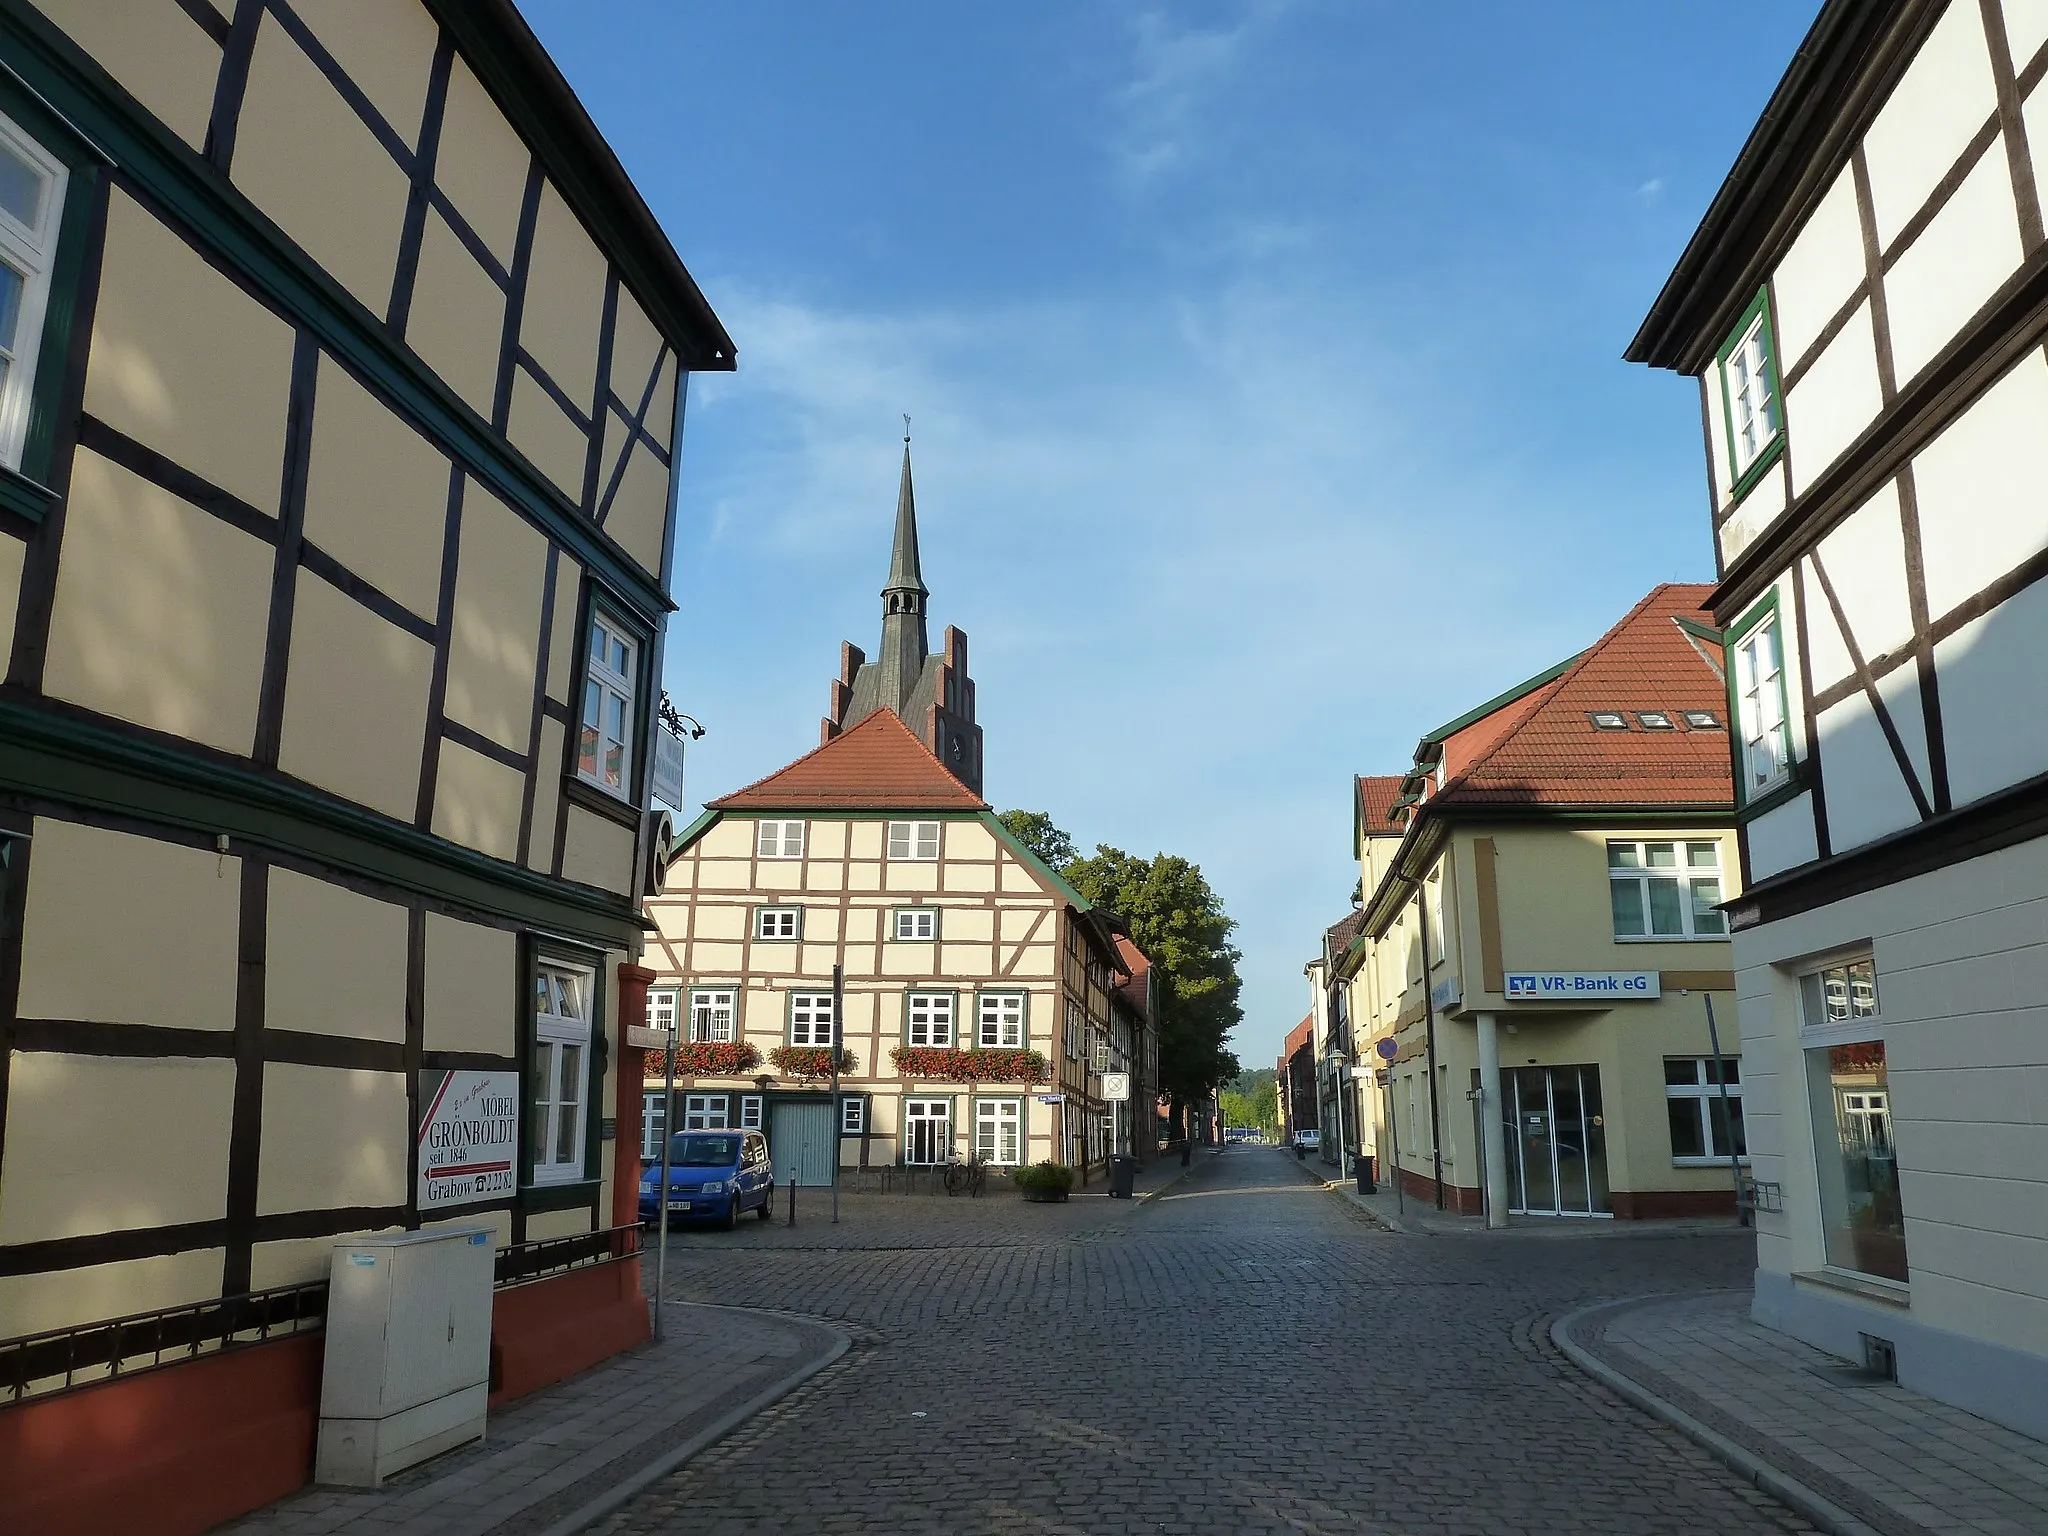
(712, 1176)
(1308, 1141)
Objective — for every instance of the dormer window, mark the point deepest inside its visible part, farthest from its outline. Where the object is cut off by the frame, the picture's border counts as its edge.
(1702, 720)
(1608, 720)
(1654, 720)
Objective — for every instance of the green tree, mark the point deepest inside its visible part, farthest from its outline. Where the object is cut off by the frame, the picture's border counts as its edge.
(1034, 829)
(1180, 923)
(1251, 1099)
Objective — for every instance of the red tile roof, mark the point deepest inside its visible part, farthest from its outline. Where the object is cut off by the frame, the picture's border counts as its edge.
(1551, 754)
(1376, 796)
(878, 765)
(1137, 966)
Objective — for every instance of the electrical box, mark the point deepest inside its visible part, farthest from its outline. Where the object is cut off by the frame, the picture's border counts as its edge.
(408, 1363)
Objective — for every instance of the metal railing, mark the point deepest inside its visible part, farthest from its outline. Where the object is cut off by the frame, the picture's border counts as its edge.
(37, 1364)
(556, 1255)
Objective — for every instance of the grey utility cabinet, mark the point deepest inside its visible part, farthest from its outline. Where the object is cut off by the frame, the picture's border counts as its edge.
(408, 1363)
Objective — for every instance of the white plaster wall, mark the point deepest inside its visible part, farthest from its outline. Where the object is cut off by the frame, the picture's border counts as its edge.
(1943, 99)
(1762, 507)
(1865, 558)
(1956, 264)
(1781, 839)
(1990, 678)
(1983, 488)
(2026, 29)
(1818, 272)
(1835, 400)
(1867, 795)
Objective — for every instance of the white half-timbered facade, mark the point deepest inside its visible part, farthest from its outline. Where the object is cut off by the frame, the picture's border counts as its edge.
(341, 375)
(1864, 308)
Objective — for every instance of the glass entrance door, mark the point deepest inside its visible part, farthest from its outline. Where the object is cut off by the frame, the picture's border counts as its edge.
(1556, 1144)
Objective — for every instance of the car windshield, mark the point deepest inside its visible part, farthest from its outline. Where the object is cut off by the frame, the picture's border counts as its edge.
(689, 1151)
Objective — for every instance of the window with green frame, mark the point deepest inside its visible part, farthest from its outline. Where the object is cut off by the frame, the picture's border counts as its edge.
(1752, 404)
(1756, 681)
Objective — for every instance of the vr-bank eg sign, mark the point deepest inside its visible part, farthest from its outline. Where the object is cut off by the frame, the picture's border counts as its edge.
(1582, 986)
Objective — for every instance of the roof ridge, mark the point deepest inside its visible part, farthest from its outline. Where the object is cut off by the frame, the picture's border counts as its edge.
(879, 721)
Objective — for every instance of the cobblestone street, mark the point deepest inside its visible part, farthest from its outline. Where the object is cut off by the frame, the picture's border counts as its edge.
(1247, 1353)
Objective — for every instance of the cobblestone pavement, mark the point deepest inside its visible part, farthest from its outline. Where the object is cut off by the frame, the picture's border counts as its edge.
(1247, 1353)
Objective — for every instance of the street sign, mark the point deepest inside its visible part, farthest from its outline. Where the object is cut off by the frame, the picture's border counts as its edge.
(1052, 1098)
(1388, 1048)
(645, 1037)
(668, 768)
(1116, 1087)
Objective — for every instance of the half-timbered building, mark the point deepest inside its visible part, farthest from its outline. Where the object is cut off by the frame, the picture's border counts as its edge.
(1864, 308)
(340, 387)
(984, 996)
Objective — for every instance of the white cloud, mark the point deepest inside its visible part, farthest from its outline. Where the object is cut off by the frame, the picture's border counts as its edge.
(1176, 73)
(1651, 190)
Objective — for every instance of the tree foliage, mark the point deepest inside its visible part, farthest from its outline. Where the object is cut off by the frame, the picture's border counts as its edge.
(1034, 829)
(1180, 924)
(1251, 1099)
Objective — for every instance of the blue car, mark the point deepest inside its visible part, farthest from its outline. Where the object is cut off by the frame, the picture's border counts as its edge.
(712, 1176)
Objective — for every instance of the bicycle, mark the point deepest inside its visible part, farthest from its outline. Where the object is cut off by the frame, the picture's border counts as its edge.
(970, 1178)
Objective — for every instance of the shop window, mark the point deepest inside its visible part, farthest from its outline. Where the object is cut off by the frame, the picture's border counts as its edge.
(1703, 1131)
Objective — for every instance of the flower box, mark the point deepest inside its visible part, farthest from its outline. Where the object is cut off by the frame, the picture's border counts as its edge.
(712, 1058)
(810, 1063)
(957, 1066)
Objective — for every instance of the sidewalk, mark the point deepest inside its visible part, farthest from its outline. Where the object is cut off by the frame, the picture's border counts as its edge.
(1418, 1217)
(1854, 1454)
(571, 1453)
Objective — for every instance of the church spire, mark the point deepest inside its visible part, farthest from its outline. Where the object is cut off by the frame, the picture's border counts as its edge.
(905, 578)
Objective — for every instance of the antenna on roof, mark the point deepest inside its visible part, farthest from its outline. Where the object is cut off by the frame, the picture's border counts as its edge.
(906, 426)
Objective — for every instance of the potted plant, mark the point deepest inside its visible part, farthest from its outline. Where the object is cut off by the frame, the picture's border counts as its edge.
(811, 1063)
(715, 1058)
(971, 1066)
(1044, 1182)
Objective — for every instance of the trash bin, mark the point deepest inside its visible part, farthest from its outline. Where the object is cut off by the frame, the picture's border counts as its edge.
(1363, 1165)
(1123, 1175)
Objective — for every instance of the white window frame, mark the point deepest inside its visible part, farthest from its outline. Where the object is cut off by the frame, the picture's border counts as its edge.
(770, 923)
(1703, 1093)
(915, 925)
(932, 1111)
(853, 1115)
(1694, 922)
(1001, 1021)
(664, 1007)
(604, 684)
(31, 249)
(810, 1017)
(1763, 708)
(1749, 386)
(750, 1111)
(990, 1123)
(707, 1004)
(706, 1111)
(917, 841)
(653, 1107)
(932, 1015)
(779, 839)
(1853, 1027)
(559, 1074)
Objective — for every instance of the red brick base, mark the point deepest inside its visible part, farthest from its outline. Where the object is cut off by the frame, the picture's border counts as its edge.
(1459, 1199)
(556, 1327)
(168, 1453)
(1653, 1204)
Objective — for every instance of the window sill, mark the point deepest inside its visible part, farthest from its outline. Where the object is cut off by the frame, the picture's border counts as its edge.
(1788, 788)
(1708, 1162)
(1753, 476)
(558, 1196)
(603, 802)
(24, 497)
(1671, 938)
(1886, 1292)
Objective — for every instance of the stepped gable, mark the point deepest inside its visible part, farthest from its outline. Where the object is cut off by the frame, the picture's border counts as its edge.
(878, 764)
(1554, 755)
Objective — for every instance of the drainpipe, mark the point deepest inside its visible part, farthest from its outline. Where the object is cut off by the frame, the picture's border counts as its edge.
(1436, 1140)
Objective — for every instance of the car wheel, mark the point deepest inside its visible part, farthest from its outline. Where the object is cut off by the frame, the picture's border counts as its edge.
(732, 1214)
(767, 1211)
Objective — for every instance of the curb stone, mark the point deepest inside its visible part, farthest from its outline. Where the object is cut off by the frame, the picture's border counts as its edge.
(1780, 1485)
(624, 1492)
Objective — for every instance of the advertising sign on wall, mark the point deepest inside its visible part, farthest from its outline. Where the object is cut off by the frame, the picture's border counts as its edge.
(1583, 986)
(469, 1137)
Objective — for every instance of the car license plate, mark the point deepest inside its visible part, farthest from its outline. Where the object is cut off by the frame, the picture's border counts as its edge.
(678, 1205)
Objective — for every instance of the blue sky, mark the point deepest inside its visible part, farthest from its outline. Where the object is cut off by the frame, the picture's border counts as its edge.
(1264, 359)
